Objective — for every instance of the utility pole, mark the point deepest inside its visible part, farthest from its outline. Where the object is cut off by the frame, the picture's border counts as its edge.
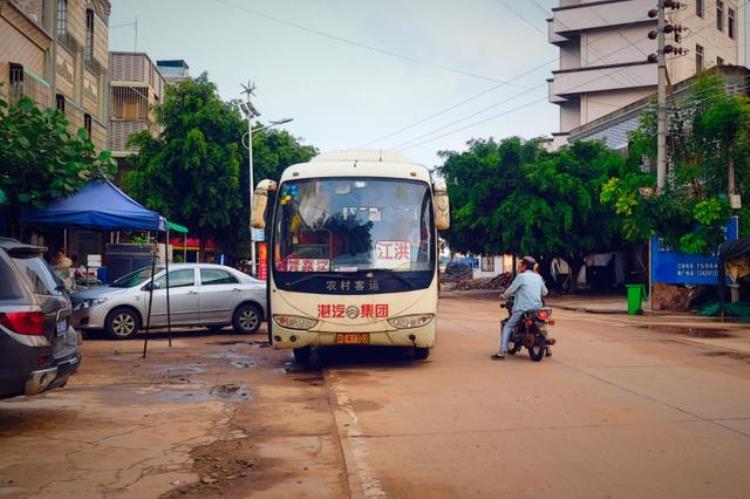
(663, 28)
(661, 117)
(250, 113)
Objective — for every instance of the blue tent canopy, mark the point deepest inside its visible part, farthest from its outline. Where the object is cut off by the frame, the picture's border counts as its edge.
(100, 205)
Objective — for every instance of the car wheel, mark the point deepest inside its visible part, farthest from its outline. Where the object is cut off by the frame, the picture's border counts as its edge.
(246, 318)
(122, 323)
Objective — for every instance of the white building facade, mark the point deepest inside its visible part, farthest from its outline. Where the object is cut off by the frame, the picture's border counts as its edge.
(604, 46)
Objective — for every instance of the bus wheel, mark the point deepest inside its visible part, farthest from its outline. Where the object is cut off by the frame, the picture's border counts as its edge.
(302, 355)
(421, 353)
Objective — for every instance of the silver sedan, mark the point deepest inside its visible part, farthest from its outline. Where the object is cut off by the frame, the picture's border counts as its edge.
(202, 295)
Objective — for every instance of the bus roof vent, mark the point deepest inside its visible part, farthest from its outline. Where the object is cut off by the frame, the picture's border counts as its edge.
(362, 155)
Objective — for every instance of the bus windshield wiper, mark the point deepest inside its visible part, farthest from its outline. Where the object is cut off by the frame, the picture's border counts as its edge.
(398, 276)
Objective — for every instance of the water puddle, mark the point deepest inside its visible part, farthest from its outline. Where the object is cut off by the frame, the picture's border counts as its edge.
(693, 332)
(231, 391)
(243, 364)
(175, 394)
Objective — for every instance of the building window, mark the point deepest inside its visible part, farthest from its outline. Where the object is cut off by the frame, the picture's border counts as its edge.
(89, 49)
(719, 61)
(488, 264)
(60, 102)
(730, 23)
(720, 15)
(698, 58)
(62, 17)
(699, 8)
(87, 125)
(15, 75)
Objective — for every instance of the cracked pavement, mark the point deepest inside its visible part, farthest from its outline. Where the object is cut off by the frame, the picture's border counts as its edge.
(625, 407)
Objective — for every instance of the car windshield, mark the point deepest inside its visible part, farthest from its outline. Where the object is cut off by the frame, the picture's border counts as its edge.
(353, 225)
(135, 278)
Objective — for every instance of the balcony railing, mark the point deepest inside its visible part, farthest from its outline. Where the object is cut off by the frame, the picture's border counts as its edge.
(25, 84)
(121, 131)
(594, 15)
(603, 78)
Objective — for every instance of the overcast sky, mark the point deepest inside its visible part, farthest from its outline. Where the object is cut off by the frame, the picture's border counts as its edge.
(344, 95)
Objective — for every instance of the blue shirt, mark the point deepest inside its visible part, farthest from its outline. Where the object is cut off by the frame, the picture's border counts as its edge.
(528, 287)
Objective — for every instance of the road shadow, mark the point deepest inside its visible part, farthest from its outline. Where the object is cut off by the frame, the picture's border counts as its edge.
(177, 333)
(363, 357)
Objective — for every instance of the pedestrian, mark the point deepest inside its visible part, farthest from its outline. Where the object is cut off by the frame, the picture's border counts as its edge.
(61, 266)
(528, 288)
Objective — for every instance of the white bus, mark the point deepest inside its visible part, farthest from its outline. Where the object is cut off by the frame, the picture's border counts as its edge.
(352, 252)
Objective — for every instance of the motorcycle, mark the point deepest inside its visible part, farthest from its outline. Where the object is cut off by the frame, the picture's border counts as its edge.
(531, 332)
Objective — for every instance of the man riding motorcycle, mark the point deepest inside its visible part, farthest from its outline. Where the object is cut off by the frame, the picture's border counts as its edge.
(528, 288)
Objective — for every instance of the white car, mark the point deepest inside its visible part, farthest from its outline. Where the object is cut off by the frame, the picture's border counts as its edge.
(202, 295)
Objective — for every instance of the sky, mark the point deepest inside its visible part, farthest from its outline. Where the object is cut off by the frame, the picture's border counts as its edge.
(417, 76)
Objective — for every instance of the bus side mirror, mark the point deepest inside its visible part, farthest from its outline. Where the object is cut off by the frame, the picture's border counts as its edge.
(260, 203)
(442, 205)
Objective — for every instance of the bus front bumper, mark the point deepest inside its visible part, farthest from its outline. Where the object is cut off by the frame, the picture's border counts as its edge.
(422, 337)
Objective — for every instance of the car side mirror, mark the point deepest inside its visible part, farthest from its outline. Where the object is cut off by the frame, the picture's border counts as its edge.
(260, 203)
(149, 286)
(442, 205)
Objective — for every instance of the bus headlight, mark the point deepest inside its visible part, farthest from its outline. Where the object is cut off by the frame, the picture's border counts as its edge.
(294, 321)
(410, 321)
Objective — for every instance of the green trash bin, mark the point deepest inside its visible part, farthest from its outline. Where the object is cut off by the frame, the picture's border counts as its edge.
(636, 294)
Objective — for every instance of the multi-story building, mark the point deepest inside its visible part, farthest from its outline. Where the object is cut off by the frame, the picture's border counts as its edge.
(604, 46)
(136, 86)
(55, 51)
(613, 128)
(174, 70)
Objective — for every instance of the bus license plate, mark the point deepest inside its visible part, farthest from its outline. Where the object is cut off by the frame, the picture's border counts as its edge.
(353, 338)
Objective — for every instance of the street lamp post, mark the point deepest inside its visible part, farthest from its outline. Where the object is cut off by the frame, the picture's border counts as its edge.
(250, 112)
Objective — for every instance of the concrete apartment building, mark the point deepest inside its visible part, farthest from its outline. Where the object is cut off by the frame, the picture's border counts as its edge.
(55, 52)
(136, 86)
(604, 47)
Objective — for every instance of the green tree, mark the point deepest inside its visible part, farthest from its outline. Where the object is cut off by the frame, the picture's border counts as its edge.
(514, 196)
(708, 136)
(273, 151)
(40, 160)
(195, 171)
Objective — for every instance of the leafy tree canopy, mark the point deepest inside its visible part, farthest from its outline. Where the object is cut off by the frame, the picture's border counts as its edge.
(709, 130)
(514, 196)
(40, 160)
(195, 171)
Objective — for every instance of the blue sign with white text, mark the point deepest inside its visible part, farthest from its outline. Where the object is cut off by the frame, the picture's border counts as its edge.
(674, 267)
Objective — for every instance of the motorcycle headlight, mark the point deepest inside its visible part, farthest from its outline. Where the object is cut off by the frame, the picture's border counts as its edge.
(294, 321)
(410, 321)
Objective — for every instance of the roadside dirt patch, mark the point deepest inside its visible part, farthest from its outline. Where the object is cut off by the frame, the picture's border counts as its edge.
(744, 357)
(693, 332)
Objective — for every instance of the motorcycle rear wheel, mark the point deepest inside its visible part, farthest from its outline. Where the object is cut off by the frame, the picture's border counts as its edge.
(538, 349)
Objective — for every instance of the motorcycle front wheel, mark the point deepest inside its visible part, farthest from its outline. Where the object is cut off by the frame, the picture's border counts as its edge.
(538, 349)
(513, 346)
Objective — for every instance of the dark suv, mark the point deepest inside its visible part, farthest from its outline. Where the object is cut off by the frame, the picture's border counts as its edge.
(38, 348)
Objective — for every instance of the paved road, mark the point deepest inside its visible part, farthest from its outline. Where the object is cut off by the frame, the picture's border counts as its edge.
(618, 411)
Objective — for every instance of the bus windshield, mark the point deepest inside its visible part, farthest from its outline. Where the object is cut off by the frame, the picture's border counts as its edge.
(341, 225)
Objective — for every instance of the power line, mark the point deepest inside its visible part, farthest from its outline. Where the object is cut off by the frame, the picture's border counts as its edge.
(409, 143)
(456, 105)
(522, 18)
(371, 48)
